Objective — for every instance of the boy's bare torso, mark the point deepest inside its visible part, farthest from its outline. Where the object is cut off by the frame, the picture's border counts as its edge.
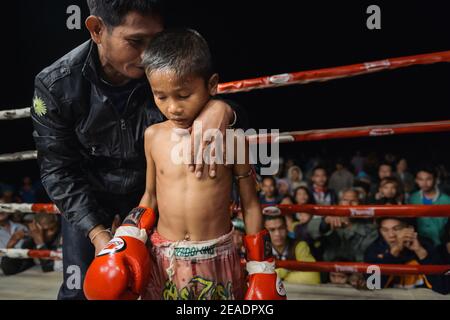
(189, 208)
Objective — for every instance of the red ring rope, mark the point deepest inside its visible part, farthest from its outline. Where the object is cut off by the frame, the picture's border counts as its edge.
(363, 211)
(327, 74)
(358, 267)
(354, 132)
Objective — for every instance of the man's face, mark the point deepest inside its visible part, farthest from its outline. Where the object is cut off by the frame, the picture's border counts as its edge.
(50, 230)
(319, 178)
(123, 46)
(278, 231)
(283, 188)
(425, 181)
(349, 198)
(388, 190)
(389, 229)
(179, 99)
(268, 187)
(384, 172)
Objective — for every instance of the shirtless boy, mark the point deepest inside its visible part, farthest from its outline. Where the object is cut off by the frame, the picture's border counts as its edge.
(190, 254)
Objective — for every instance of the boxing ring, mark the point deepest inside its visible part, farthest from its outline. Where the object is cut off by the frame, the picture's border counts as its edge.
(360, 211)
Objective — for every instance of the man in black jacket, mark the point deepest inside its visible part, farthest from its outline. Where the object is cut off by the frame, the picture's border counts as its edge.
(90, 111)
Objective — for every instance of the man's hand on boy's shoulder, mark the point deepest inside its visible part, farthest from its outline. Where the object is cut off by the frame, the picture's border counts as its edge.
(217, 114)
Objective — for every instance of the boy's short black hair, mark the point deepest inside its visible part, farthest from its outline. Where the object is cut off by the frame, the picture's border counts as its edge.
(184, 51)
(112, 12)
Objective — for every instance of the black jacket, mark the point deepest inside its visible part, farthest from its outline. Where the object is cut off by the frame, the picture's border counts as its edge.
(84, 145)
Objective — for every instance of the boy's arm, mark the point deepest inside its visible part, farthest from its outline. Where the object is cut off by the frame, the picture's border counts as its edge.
(149, 198)
(251, 208)
(264, 284)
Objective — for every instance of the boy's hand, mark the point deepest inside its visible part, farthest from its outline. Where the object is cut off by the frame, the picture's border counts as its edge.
(216, 115)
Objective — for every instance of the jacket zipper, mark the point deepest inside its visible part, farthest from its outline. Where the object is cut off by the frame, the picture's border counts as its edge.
(125, 134)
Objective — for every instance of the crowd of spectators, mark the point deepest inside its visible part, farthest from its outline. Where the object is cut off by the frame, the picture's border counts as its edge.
(360, 180)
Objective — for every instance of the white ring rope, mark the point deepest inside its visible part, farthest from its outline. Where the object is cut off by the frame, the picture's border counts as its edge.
(29, 208)
(15, 114)
(19, 156)
(30, 253)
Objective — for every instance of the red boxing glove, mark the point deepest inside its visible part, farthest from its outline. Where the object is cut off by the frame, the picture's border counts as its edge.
(121, 271)
(264, 283)
(139, 224)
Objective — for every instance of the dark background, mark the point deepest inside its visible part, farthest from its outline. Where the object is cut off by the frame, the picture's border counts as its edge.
(257, 38)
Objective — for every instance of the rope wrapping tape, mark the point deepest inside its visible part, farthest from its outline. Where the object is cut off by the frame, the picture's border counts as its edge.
(326, 74)
(15, 114)
(31, 254)
(357, 267)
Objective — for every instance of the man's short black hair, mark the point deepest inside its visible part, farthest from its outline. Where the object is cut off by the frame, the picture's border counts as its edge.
(428, 169)
(320, 167)
(271, 178)
(184, 51)
(385, 164)
(112, 12)
(275, 217)
(407, 222)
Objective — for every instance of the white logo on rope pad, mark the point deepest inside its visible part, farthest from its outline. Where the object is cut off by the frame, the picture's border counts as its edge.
(381, 132)
(280, 78)
(362, 212)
